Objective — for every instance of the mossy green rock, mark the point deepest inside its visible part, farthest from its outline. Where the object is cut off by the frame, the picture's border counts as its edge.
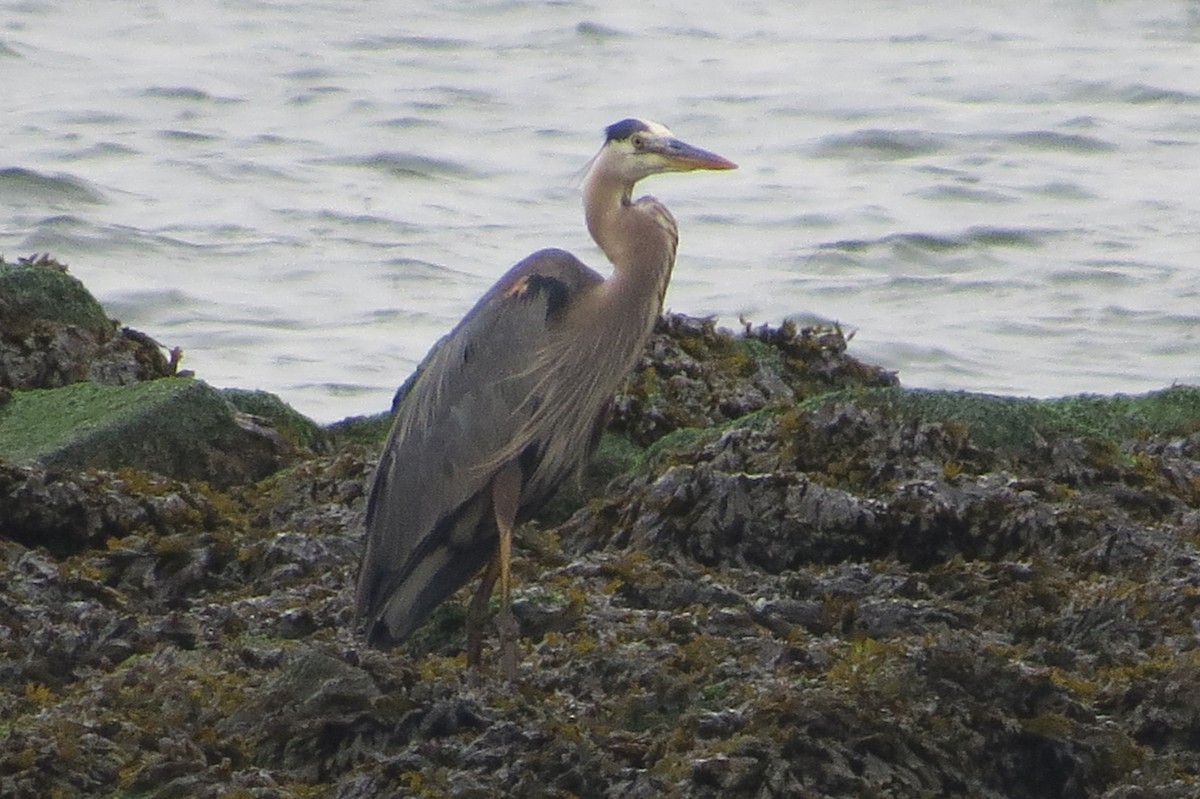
(53, 332)
(298, 429)
(178, 427)
(1013, 423)
(31, 294)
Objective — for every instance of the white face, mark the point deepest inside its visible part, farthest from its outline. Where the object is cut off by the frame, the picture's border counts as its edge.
(642, 153)
(650, 151)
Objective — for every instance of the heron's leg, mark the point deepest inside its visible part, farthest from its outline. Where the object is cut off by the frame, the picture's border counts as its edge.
(506, 496)
(477, 612)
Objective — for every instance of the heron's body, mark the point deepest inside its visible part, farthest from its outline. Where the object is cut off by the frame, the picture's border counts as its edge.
(510, 403)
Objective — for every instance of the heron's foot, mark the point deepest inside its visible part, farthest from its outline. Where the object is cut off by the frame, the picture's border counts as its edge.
(506, 625)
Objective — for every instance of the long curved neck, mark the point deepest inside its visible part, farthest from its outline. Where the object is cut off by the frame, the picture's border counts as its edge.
(639, 238)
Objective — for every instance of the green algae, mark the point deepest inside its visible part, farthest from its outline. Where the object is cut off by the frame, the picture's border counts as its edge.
(175, 426)
(683, 440)
(41, 422)
(1008, 423)
(293, 425)
(369, 431)
(42, 292)
(617, 454)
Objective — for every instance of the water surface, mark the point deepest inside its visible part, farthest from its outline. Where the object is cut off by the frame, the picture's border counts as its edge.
(304, 196)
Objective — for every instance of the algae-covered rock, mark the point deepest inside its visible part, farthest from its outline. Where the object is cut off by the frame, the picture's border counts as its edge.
(67, 513)
(36, 293)
(783, 576)
(177, 427)
(694, 375)
(53, 332)
(77, 391)
(920, 476)
(295, 427)
(1010, 425)
(360, 430)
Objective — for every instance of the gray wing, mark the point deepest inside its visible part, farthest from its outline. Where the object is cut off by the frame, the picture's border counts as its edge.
(430, 525)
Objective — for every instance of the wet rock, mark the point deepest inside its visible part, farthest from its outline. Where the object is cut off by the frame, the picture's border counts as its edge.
(54, 333)
(268, 410)
(178, 427)
(771, 591)
(749, 520)
(763, 498)
(694, 375)
(77, 391)
(68, 512)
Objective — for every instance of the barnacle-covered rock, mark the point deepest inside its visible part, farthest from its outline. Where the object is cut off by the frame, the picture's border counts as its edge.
(784, 576)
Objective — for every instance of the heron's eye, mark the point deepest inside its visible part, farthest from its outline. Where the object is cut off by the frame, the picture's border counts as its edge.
(638, 141)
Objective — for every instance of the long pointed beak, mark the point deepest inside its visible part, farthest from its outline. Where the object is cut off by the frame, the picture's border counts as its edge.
(684, 157)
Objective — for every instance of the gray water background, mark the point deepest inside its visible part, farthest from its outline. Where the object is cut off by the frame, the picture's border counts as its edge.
(1000, 197)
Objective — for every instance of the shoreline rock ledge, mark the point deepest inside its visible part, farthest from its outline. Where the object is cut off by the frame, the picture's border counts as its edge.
(783, 575)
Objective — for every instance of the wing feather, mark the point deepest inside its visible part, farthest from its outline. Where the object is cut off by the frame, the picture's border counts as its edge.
(456, 421)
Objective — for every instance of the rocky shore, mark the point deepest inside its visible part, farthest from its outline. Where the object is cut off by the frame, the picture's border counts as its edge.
(784, 575)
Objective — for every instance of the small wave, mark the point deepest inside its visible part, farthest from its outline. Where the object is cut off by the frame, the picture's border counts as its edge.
(1142, 270)
(1139, 94)
(915, 282)
(149, 302)
(953, 193)
(66, 233)
(186, 135)
(412, 165)
(310, 73)
(930, 242)
(1062, 190)
(104, 149)
(1006, 237)
(1113, 276)
(457, 97)
(20, 186)
(881, 144)
(188, 93)
(360, 230)
(314, 94)
(428, 43)
(417, 270)
(1060, 142)
(408, 123)
(1134, 93)
(327, 216)
(1020, 328)
(595, 31)
(93, 117)
(340, 389)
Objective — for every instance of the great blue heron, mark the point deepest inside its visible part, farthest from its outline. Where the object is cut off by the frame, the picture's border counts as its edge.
(513, 400)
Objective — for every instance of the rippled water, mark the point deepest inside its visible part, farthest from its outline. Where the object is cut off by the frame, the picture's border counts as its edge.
(304, 196)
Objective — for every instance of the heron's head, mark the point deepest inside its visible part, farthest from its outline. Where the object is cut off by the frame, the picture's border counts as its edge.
(636, 148)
